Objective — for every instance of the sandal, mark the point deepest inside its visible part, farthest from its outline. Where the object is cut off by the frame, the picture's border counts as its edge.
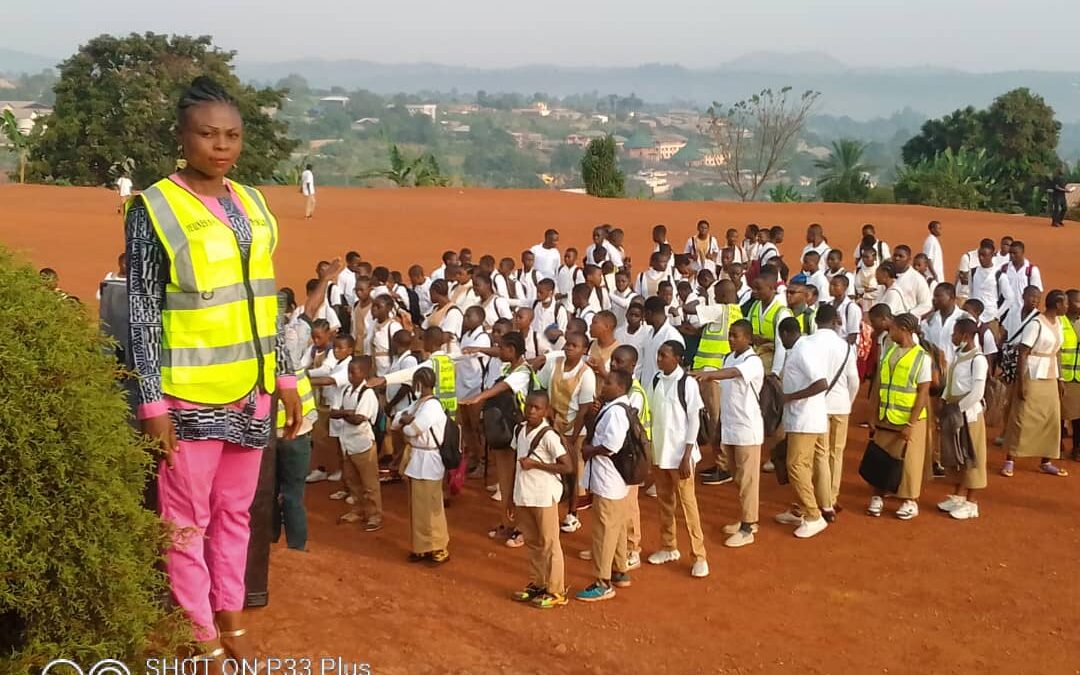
(418, 557)
(1007, 468)
(1051, 470)
(499, 532)
(238, 661)
(439, 557)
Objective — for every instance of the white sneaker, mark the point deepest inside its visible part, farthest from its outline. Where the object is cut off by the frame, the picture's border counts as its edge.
(570, 523)
(700, 570)
(739, 539)
(316, 476)
(633, 560)
(811, 527)
(966, 511)
(335, 476)
(651, 492)
(497, 495)
(788, 518)
(951, 503)
(736, 527)
(877, 505)
(492, 488)
(339, 495)
(349, 500)
(585, 554)
(664, 557)
(908, 510)
(768, 467)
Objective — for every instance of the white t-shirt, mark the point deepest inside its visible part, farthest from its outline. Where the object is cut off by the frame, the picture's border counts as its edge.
(358, 438)
(740, 412)
(496, 308)
(307, 183)
(613, 255)
(967, 378)
(123, 186)
(932, 248)
(985, 285)
(672, 426)
(850, 318)
(378, 344)
(546, 261)
(1019, 279)
(767, 252)
(331, 368)
(839, 357)
(424, 434)
(535, 487)
(802, 367)
(636, 340)
(1043, 337)
(654, 340)
(600, 477)
(822, 250)
(401, 362)
(469, 371)
(938, 331)
(917, 298)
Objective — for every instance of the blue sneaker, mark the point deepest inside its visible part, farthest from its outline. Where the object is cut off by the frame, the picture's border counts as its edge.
(596, 593)
(620, 579)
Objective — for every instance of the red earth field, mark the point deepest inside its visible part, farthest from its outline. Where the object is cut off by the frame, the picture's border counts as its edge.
(996, 595)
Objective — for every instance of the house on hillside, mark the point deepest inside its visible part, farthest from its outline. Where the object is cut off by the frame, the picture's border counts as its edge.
(364, 123)
(708, 158)
(650, 148)
(667, 146)
(600, 117)
(538, 109)
(461, 108)
(527, 139)
(27, 113)
(328, 103)
(429, 109)
(583, 138)
(566, 115)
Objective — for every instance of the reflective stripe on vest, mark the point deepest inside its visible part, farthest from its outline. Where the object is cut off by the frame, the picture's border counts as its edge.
(219, 320)
(715, 341)
(1070, 351)
(645, 414)
(445, 384)
(765, 326)
(306, 394)
(898, 388)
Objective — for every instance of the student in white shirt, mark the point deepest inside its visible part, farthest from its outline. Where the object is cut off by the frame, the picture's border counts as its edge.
(398, 396)
(732, 244)
(424, 425)
(806, 423)
(635, 333)
(307, 188)
(1019, 272)
(702, 248)
(766, 250)
(356, 412)
(965, 385)
(461, 290)
(469, 376)
(327, 378)
(382, 333)
(869, 240)
(911, 284)
(494, 306)
(648, 282)
(843, 386)
(848, 312)
(445, 315)
(938, 327)
(675, 401)
(889, 292)
(613, 254)
(609, 489)
(621, 297)
(932, 249)
(834, 267)
(123, 189)
(548, 313)
(743, 293)
(541, 460)
(528, 276)
(506, 285)
(546, 255)
(813, 273)
(448, 258)
(1004, 254)
(985, 339)
(816, 242)
(660, 331)
(765, 316)
(568, 275)
(422, 286)
(988, 284)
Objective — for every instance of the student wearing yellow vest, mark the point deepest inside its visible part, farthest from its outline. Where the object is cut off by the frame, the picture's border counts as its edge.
(766, 313)
(209, 352)
(1070, 368)
(900, 393)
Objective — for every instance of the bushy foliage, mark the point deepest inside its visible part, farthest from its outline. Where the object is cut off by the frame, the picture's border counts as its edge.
(420, 171)
(78, 552)
(116, 98)
(783, 193)
(959, 180)
(600, 170)
(844, 177)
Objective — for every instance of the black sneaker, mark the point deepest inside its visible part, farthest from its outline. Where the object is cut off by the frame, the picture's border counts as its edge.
(718, 477)
(939, 471)
(712, 471)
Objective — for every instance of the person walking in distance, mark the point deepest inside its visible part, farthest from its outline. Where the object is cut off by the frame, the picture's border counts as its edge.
(307, 188)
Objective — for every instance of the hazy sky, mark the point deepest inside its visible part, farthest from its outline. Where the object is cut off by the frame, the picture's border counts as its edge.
(968, 34)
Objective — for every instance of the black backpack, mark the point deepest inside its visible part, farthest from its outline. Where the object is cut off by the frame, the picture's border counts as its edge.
(450, 445)
(501, 416)
(631, 461)
(414, 307)
(771, 401)
(704, 431)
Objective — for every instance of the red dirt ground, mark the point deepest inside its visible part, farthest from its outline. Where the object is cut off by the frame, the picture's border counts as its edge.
(995, 595)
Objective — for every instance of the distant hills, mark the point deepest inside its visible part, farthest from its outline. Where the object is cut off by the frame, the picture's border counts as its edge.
(857, 91)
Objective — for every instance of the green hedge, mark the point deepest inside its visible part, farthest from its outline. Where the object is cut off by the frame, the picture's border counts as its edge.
(79, 555)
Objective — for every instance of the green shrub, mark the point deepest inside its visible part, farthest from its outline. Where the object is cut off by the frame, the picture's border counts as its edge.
(600, 169)
(78, 552)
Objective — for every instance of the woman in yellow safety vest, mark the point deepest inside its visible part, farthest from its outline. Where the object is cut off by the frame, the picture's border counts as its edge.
(208, 349)
(900, 393)
(1070, 367)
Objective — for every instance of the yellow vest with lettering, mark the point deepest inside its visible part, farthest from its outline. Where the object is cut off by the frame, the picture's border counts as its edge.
(1070, 350)
(219, 320)
(445, 384)
(898, 388)
(715, 343)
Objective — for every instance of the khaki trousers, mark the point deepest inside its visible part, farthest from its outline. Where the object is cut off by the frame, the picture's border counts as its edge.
(829, 467)
(746, 459)
(802, 452)
(710, 396)
(361, 475)
(608, 536)
(540, 527)
(505, 469)
(309, 206)
(427, 518)
(469, 416)
(672, 491)
(633, 521)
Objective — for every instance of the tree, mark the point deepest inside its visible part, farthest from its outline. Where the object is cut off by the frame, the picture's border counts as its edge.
(844, 177)
(962, 128)
(404, 171)
(959, 180)
(600, 170)
(293, 83)
(17, 141)
(782, 193)
(755, 136)
(566, 160)
(116, 98)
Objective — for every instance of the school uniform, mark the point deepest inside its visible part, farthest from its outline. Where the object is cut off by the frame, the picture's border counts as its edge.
(987, 285)
(830, 275)
(821, 249)
(866, 286)
(423, 294)
(361, 466)
(744, 294)
(407, 362)
(602, 355)
(379, 341)
(673, 429)
(742, 431)
(519, 380)
(806, 422)
(527, 281)
(640, 404)
(425, 471)
(938, 331)
(637, 340)
(361, 325)
(546, 261)
(932, 249)
(965, 384)
(654, 340)
(699, 252)
(648, 282)
(767, 253)
(511, 290)
(620, 302)
(821, 282)
(917, 296)
(1019, 279)
(599, 299)
(609, 491)
(469, 371)
(1034, 425)
(463, 295)
(586, 314)
(449, 318)
(879, 246)
(772, 355)
(841, 365)
(913, 452)
(495, 308)
(614, 255)
(536, 503)
(850, 315)
(567, 278)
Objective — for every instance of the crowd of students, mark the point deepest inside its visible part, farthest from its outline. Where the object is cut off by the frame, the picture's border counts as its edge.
(555, 373)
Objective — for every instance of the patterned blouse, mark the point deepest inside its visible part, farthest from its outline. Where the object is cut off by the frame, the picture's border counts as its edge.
(247, 422)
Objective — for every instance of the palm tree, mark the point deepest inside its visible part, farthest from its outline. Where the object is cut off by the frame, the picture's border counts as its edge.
(17, 141)
(422, 171)
(844, 177)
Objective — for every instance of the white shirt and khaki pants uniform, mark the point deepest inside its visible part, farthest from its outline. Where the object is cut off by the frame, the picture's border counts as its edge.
(536, 507)
(361, 466)
(673, 428)
(609, 492)
(806, 423)
(742, 431)
(843, 372)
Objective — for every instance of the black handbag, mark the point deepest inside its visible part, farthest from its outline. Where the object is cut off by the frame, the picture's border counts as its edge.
(880, 469)
(778, 455)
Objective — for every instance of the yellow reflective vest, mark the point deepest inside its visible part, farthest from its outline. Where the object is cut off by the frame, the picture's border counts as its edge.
(1070, 351)
(445, 384)
(645, 414)
(764, 325)
(306, 394)
(898, 388)
(219, 320)
(715, 343)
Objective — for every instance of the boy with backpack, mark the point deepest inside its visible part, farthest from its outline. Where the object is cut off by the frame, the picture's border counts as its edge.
(357, 412)
(675, 402)
(541, 460)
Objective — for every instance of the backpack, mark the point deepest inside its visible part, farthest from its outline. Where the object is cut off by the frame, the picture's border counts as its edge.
(703, 435)
(501, 416)
(997, 278)
(450, 444)
(771, 400)
(414, 307)
(631, 461)
(1010, 351)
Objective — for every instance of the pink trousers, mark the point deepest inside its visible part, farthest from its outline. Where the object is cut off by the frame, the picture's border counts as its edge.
(206, 496)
